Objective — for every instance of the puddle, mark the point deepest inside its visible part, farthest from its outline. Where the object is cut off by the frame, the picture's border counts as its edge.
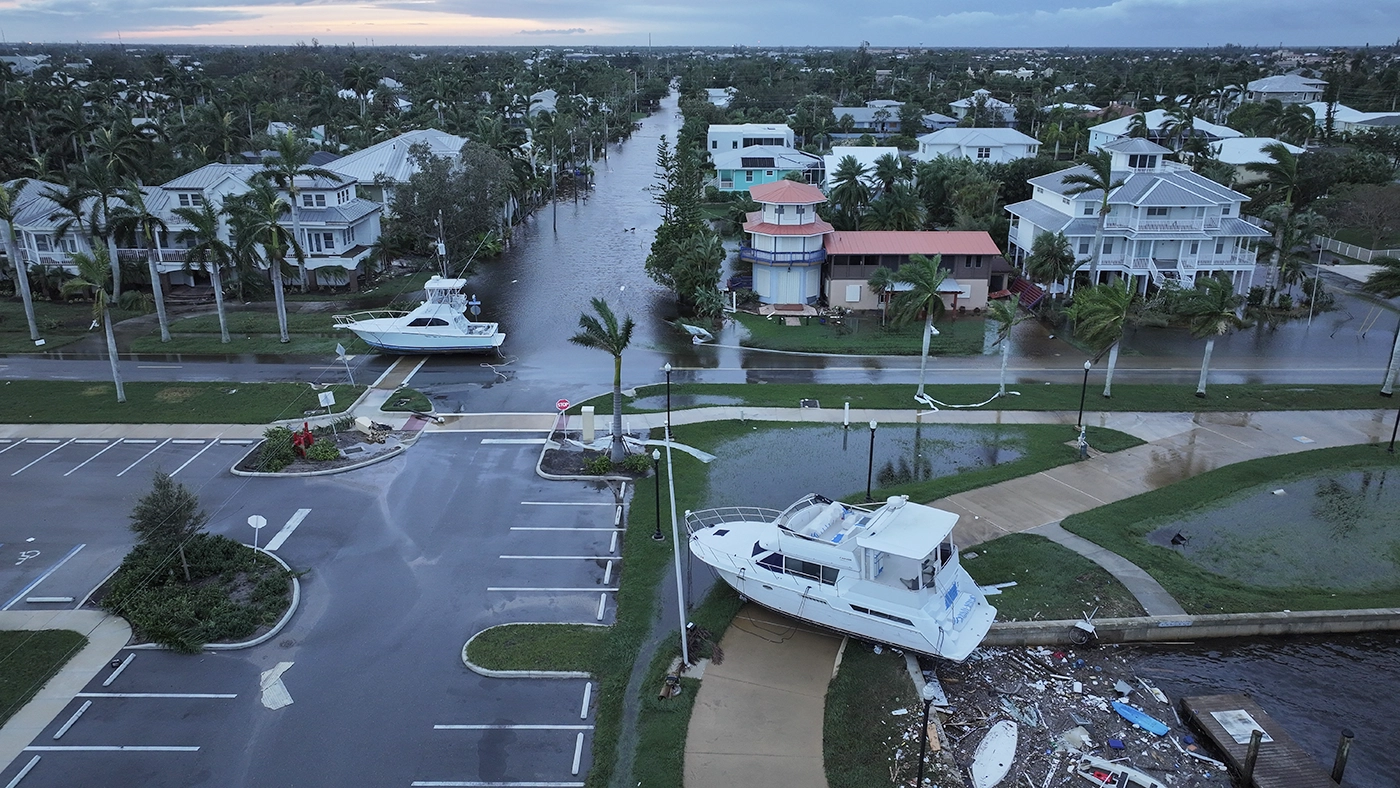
(1335, 531)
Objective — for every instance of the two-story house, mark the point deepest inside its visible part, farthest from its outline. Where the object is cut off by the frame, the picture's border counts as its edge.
(1287, 88)
(992, 145)
(1165, 223)
(986, 109)
(376, 170)
(736, 136)
(740, 170)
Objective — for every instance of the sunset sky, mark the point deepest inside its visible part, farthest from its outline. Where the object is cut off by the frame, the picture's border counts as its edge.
(716, 22)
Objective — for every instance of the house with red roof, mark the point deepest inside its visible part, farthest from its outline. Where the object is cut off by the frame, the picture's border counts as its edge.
(800, 259)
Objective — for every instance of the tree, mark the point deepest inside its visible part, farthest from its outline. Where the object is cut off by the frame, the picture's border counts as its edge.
(1101, 315)
(882, 284)
(1292, 249)
(897, 209)
(1137, 126)
(1097, 177)
(468, 194)
(291, 161)
(888, 170)
(925, 276)
(95, 276)
(360, 79)
(1051, 259)
(261, 236)
(602, 331)
(206, 251)
(167, 517)
(1212, 310)
(134, 217)
(850, 194)
(1005, 313)
(1280, 182)
(1372, 208)
(9, 204)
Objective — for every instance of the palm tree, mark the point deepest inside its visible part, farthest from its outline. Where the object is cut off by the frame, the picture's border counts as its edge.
(1385, 282)
(881, 284)
(121, 152)
(888, 169)
(1281, 179)
(136, 218)
(208, 252)
(1051, 259)
(101, 182)
(601, 331)
(1294, 238)
(9, 202)
(897, 209)
(1101, 315)
(849, 191)
(361, 79)
(1005, 313)
(925, 276)
(260, 224)
(290, 162)
(1212, 310)
(1178, 125)
(1098, 177)
(95, 275)
(1137, 126)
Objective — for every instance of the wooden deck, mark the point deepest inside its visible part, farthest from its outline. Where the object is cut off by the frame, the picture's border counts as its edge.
(1281, 762)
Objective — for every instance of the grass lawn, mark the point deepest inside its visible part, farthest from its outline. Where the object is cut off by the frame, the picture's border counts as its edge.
(28, 659)
(572, 647)
(1053, 582)
(251, 332)
(857, 729)
(1122, 526)
(1363, 239)
(81, 402)
(1064, 397)
(59, 324)
(864, 335)
(407, 400)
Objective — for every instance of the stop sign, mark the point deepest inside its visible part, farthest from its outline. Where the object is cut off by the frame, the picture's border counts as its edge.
(562, 404)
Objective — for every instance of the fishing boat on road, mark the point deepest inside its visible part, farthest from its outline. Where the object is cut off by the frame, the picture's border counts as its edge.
(438, 325)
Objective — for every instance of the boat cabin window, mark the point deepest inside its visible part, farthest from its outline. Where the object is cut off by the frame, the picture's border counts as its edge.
(427, 321)
(878, 614)
(797, 567)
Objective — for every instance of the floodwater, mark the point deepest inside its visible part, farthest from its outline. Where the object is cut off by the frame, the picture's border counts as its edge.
(1313, 687)
(775, 467)
(1338, 531)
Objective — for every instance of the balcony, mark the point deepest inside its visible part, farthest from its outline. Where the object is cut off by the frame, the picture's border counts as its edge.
(752, 255)
(1155, 225)
(140, 255)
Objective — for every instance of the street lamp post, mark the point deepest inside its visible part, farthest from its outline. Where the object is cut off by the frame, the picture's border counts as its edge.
(656, 471)
(927, 694)
(667, 370)
(1393, 431)
(1082, 391)
(870, 468)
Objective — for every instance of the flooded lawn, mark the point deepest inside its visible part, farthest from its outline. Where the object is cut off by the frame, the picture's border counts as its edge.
(777, 464)
(1333, 531)
(678, 401)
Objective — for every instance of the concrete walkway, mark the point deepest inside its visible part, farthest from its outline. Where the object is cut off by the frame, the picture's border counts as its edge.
(1150, 594)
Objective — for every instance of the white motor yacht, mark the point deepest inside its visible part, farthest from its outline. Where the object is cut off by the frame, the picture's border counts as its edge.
(890, 574)
(438, 325)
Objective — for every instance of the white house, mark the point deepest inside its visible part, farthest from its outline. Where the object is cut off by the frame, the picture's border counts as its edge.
(878, 118)
(1345, 119)
(390, 160)
(1104, 133)
(866, 157)
(995, 112)
(733, 136)
(720, 97)
(1165, 223)
(990, 145)
(1287, 88)
(1240, 152)
(935, 121)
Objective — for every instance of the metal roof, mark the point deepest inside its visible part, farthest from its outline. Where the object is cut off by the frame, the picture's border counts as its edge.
(1135, 145)
(1040, 215)
(348, 213)
(210, 175)
(787, 193)
(911, 242)
(783, 158)
(981, 137)
(1286, 83)
(390, 157)
(1155, 119)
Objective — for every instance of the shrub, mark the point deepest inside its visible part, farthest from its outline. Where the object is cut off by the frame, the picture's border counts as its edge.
(276, 451)
(637, 463)
(597, 466)
(323, 450)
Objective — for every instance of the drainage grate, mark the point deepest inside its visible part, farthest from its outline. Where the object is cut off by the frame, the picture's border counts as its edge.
(809, 403)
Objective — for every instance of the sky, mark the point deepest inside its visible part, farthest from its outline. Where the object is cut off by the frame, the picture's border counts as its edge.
(529, 23)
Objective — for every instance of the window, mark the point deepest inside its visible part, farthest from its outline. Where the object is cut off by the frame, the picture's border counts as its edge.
(1142, 162)
(188, 200)
(419, 322)
(313, 201)
(1195, 247)
(1225, 211)
(748, 176)
(714, 144)
(1084, 246)
(342, 197)
(768, 173)
(777, 562)
(852, 293)
(347, 237)
(976, 261)
(1108, 246)
(984, 153)
(801, 209)
(320, 242)
(1088, 209)
(41, 243)
(734, 145)
(779, 210)
(1220, 246)
(877, 614)
(1157, 211)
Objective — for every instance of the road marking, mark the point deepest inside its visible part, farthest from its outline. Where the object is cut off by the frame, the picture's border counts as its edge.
(548, 528)
(556, 588)
(587, 694)
(44, 440)
(138, 440)
(232, 442)
(578, 752)
(188, 441)
(195, 695)
(118, 671)
(108, 748)
(563, 557)
(73, 719)
(29, 766)
(512, 727)
(287, 529)
(92, 440)
(144, 456)
(7, 448)
(602, 606)
(45, 454)
(274, 692)
(48, 600)
(479, 784)
(513, 441)
(159, 366)
(195, 457)
(566, 503)
(42, 578)
(93, 457)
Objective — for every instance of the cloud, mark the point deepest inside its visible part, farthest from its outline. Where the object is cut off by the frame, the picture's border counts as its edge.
(553, 31)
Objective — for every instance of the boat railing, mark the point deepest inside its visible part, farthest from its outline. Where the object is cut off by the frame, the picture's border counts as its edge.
(708, 518)
(368, 314)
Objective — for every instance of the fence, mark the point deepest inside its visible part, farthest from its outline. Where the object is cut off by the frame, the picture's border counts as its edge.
(1353, 251)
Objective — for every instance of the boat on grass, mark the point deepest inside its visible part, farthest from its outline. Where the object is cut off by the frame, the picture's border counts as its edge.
(438, 325)
(890, 574)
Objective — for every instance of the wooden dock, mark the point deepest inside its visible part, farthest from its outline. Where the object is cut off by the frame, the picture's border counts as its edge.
(1281, 763)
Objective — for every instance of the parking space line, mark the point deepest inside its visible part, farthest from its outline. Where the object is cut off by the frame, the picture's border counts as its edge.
(45, 454)
(197, 695)
(564, 557)
(188, 441)
(44, 440)
(587, 695)
(144, 456)
(28, 767)
(559, 589)
(509, 727)
(195, 457)
(43, 577)
(513, 441)
(92, 440)
(119, 670)
(235, 442)
(479, 784)
(287, 529)
(546, 528)
(138, 440)
(73, 719)
(108, 748)
(566, 503)
(95, 456)
(578, 752)
(13, 445)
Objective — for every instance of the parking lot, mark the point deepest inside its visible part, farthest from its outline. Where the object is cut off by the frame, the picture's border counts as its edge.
(403, 562)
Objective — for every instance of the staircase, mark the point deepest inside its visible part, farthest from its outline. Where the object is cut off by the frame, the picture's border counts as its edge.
(1030, 294)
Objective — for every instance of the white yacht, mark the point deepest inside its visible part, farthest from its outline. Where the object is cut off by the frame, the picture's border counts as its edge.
(438, 325)
(889, 574)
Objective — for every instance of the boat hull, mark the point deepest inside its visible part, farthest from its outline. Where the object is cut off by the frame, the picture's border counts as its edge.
(408, 343)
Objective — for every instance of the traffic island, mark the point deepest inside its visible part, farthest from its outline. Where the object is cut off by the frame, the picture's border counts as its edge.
(345, 446)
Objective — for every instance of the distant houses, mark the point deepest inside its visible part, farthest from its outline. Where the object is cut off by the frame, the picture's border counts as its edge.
(1159, 130)
(1286, 88)
(879, 118)
(1240, 152)
(992, 145)
(984, 109)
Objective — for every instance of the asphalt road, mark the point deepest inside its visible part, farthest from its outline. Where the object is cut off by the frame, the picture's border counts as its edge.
(404, 561)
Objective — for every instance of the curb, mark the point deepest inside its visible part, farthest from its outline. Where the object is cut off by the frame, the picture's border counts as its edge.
(1150, 629)
(260, 639)
(326, 417)
(523, 674)
(394, 452)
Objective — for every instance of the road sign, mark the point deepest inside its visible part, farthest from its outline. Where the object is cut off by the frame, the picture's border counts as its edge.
(339, 351)
(257, 521)
(475, 306)
(562, 404)
(326, 398)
